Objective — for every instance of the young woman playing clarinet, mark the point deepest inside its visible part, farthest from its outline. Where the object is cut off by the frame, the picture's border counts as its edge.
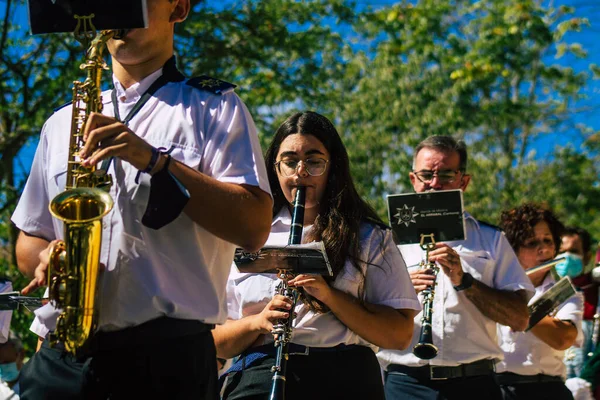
(533, 365)
(339, 321)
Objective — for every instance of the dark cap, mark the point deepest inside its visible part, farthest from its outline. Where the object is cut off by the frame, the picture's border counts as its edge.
(50, 16)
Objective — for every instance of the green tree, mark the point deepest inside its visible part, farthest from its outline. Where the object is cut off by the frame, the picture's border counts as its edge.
(282, 54)
(483, 71)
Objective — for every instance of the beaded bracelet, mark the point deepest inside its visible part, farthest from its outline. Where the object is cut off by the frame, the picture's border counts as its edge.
(156, 152)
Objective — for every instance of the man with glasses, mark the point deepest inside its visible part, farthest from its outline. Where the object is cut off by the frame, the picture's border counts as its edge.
(480, 283)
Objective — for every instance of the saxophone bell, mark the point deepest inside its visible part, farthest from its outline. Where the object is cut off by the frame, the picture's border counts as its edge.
(73, 269)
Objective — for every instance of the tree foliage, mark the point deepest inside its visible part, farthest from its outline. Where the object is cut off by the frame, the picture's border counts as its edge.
(483, 71)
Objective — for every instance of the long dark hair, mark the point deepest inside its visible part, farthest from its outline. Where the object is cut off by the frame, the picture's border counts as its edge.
(341, 210)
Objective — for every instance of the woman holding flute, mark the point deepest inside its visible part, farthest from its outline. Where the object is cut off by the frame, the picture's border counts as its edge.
(339, 321)
(533, 365)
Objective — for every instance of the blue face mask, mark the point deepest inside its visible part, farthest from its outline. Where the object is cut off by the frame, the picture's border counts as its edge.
(9, 372)
(571, 266)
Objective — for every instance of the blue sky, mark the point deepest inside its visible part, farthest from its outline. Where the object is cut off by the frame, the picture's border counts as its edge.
(589, 38)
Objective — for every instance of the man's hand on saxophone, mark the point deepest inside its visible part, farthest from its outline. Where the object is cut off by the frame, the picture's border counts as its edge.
(40, 272)
(106, 137)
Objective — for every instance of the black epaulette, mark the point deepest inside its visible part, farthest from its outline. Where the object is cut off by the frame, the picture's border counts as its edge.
(212, 85)
(63, 106)
(484, 223)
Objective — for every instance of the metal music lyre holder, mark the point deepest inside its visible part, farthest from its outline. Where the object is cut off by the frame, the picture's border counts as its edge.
(425, 349)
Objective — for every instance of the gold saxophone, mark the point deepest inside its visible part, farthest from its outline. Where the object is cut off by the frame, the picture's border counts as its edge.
(74, 263)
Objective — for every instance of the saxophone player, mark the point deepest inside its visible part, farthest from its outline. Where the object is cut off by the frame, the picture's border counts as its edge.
(480, 283)
(369, 301)
(163, 285)
(533, 361)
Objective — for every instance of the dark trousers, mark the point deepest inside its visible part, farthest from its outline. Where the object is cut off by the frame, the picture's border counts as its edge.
(352, 373)
(533, 387)
(400, 386)
(127, 366)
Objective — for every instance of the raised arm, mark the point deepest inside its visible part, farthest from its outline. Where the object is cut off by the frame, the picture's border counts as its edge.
(505, 307)
(33, 255)
(502, 306)
(385, 317)
(381, 325)
(558, 334)
(240, 214)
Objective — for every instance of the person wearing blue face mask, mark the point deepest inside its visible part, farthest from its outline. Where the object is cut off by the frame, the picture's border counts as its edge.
(533, 361)
(571, 266)
(578, 241)
(11, 361)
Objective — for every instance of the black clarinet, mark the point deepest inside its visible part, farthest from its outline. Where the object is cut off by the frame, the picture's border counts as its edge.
(283, 329)
(425, 349)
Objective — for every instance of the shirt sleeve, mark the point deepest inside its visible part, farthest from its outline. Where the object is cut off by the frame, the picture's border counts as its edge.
(509, 274)
(233, 304)
(31, 214)
(572, 310)
(387, 280)
(232, 152)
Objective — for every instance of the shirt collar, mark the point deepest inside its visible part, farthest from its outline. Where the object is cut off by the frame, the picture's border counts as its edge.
(470, 217)
(135, 91)
(282, 217)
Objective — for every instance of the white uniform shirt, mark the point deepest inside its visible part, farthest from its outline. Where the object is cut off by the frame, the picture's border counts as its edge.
(7, 393)
(525, 354)
(181, 269)
(387, 283)
(461, 332)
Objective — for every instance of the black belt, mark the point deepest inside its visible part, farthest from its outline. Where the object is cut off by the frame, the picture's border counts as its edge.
(433, 372)
(149, 333)
(254, 354)
(508, 378)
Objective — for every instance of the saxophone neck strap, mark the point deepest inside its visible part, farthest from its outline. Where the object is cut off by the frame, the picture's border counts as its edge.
(170, 74)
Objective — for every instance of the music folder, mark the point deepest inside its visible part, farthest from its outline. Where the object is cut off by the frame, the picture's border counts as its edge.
(560, 292)
(439, 213)
(12, 300)
(308, 258)
(52, 16)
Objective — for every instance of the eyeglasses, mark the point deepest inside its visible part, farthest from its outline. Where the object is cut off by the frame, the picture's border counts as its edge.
(444, 176)
(535, 243)
(314, 166)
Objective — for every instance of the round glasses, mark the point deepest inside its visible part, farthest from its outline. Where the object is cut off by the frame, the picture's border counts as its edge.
(314, 166)
(444, 176)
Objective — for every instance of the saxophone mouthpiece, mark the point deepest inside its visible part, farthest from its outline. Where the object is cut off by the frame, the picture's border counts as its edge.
(120, 33)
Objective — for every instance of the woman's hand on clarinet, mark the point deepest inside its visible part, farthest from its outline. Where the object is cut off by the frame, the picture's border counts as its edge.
(422, 278)
(314, 285)
(272, 313)
(449, 260)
